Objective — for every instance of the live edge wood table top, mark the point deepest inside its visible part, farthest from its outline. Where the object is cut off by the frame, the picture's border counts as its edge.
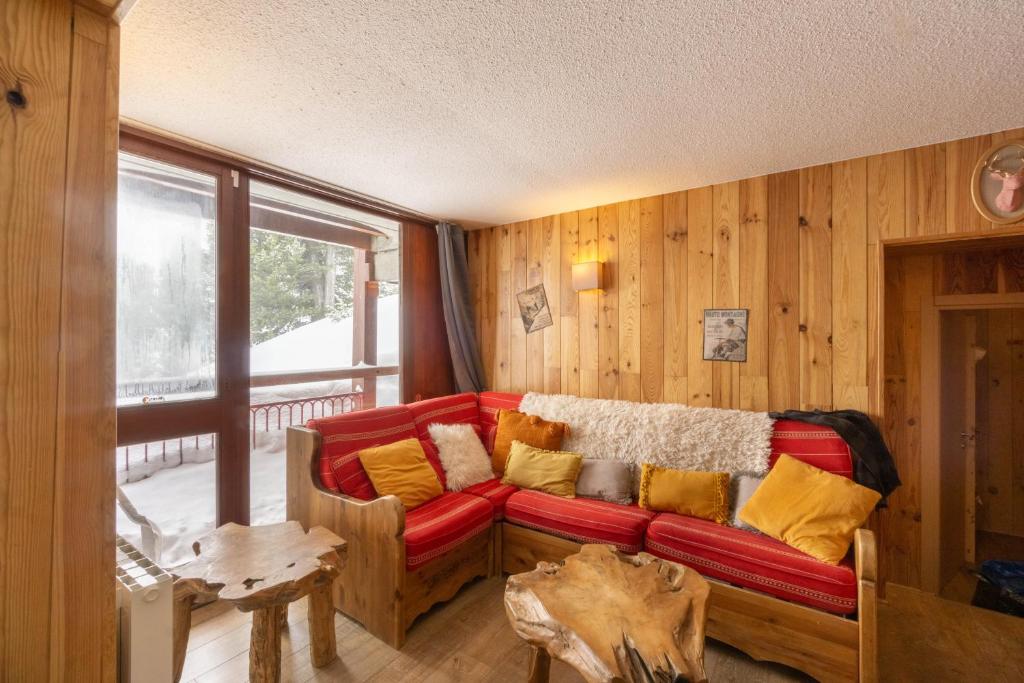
(611, 616)
(260, 569)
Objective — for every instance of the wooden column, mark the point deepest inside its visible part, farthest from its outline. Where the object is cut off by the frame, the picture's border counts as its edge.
(365, 291)
(58, 181)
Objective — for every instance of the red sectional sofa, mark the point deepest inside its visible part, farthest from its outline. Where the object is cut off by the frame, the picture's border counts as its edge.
(401, 563)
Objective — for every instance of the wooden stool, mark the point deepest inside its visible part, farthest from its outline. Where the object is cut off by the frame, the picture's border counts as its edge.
(611, 616)
(261, 569)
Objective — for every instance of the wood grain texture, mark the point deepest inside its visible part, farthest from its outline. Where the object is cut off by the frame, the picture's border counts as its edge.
(84, 512)
(534, 277)
(658, 609)
(652, 299)
(849, 288)
(816, 287)
(518, 339)
(57, 209)
(784, 290)
(628, 282)
(591, 304)
(608, 304)
(700, 290)
(569, 353)
(825, 645)
(753, 274)
(748, 249)
(726, 275)
(675, 330)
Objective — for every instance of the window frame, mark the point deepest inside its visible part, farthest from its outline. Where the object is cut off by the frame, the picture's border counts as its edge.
(227, 413)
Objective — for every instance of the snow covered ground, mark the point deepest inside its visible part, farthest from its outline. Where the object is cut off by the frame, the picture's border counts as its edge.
(181, 498)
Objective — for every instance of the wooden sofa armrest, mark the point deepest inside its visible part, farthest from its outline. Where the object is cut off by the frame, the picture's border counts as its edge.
(373, 578)
(865, 556)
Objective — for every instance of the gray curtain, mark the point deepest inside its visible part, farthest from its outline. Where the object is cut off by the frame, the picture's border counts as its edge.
(458, 310)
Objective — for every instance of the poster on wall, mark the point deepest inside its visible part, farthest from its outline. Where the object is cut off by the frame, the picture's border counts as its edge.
(725, 334)
(533, 307)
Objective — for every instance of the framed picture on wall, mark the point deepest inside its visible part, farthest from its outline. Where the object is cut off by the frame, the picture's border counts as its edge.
(533, 308)
(997, 184)
(725, 334)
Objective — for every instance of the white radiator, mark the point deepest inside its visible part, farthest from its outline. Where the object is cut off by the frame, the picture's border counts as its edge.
(145, 618)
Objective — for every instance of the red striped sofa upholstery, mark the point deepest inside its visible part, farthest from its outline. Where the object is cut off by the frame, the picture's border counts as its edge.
(443, 537)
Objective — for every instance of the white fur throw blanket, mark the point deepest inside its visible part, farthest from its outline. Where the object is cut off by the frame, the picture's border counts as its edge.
(666, 434)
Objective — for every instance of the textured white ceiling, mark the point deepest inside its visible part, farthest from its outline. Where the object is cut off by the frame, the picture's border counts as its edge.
(493, 111)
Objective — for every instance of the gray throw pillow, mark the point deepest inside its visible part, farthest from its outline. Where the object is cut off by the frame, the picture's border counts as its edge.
(609, 480)
(745, 487)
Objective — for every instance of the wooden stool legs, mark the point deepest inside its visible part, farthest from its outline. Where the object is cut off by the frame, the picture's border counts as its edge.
(182, 617)
(265, 645)
(322, 647)
(540, 665)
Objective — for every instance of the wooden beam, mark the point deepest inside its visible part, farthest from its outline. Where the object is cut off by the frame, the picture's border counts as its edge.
(265, 218)
(955, 301)
(276, 379)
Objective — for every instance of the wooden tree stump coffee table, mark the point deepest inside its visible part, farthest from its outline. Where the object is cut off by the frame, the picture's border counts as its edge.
(260, 569)
(611, 616)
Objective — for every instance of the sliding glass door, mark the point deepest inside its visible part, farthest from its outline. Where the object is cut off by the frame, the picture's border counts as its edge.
(323, 311)
(181, 385)
(244, 306)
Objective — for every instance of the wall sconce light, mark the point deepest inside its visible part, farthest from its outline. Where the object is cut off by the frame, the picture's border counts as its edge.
(589, 275)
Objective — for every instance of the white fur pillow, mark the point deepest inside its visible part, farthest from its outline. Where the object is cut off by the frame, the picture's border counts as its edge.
(463, 457)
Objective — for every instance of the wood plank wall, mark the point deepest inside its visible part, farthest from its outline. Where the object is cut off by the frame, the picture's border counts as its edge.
(798, 249)
(58, 180)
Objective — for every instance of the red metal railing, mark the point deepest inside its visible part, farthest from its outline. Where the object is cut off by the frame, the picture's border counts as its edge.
(273, 415)
(347, 402)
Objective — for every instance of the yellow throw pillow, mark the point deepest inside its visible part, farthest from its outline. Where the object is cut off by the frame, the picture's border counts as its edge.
(529, 429)
(552, 472)
(696, 494)
(401, 469)
(810, 509)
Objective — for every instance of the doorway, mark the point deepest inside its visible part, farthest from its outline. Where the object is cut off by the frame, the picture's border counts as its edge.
(976, 349)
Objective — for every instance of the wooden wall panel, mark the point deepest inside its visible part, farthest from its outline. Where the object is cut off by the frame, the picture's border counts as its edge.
(815, 258)
(58, 187)
(726, 294)
(652, 306)
(700, 244)
(674, 268)
(534, 277)
(849, 293)
(503, 325)
(798, 249)
(753, 273)
(590, 308)
(629, 300)
(552, 267)
(608, 333)
(518, 352)
(961, 157)
(784, 290)
(925, 189)
(569, 253)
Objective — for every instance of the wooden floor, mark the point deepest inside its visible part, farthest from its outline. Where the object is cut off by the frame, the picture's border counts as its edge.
(923, 638)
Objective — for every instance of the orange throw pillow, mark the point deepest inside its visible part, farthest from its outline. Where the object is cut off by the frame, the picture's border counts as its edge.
(529, 429)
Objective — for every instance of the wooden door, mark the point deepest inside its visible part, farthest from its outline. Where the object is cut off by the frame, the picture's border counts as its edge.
(958, 355)
(971, 356)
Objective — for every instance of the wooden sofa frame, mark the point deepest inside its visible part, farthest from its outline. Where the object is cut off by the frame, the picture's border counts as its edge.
(375, 588)
(827, 646)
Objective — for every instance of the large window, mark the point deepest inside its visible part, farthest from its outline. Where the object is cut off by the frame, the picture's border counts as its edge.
(166, 282)
(323, 302)
(246, 302)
